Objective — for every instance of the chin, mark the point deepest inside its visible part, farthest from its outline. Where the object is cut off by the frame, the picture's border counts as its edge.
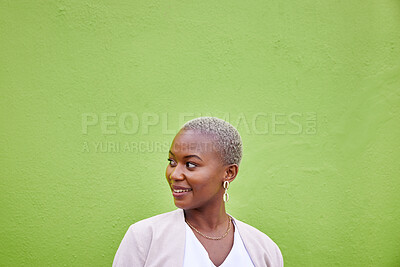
(180, 204)
(185, 205)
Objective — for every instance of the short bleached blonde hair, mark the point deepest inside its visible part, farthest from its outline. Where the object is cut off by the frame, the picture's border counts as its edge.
(227, 137)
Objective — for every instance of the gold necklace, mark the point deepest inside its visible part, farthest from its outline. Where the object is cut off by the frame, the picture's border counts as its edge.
(212, 237)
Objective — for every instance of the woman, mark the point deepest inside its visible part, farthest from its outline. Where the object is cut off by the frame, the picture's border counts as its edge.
(204, 158)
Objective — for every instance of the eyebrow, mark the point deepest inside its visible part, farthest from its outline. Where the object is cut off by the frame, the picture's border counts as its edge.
(187, 156)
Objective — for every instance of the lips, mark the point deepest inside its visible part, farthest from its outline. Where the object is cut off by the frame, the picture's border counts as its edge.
(180, 191)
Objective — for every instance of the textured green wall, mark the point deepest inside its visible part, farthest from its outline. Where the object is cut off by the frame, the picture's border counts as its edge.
(92, 93)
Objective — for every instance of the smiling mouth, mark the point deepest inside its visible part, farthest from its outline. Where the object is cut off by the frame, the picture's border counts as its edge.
(181, 190)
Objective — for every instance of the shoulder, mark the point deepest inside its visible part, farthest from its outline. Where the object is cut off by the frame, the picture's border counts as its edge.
(158, 218)
(254, 232)
(257, 239)
(147, 237)
(155, 221)
(141, 234)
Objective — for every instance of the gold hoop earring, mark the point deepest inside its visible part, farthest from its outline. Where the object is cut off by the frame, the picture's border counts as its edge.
(226, 195)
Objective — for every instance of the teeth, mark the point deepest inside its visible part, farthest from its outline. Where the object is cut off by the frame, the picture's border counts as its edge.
(182, 190)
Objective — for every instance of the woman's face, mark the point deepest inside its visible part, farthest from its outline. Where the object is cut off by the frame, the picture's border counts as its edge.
(195, 172)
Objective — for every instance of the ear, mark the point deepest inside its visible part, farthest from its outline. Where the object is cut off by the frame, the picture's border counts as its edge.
(231, 172)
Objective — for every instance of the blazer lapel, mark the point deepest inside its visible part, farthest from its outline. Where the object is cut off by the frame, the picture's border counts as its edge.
(249, 243)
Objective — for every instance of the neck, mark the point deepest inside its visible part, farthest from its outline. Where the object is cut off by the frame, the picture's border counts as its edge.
(207, 218)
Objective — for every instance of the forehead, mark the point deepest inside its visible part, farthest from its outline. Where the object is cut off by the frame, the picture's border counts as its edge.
(194, 142)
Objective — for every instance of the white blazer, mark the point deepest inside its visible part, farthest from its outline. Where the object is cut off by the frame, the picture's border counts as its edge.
(159, 241)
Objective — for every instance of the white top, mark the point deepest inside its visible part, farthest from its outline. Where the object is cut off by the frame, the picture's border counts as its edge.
(160, 241)
(196, 255)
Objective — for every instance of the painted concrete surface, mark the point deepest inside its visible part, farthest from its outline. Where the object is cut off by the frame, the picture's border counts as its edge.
(92, 93)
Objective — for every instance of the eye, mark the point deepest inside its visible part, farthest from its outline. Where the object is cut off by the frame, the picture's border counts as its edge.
(171, 162)
(190, 164)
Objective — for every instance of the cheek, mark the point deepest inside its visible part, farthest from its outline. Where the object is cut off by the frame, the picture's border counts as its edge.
(167, 172)
(205, 184)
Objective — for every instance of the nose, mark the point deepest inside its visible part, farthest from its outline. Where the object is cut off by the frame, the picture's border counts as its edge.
(177, 174)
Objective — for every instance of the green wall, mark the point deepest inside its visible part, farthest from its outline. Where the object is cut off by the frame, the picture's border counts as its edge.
(92, 93)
